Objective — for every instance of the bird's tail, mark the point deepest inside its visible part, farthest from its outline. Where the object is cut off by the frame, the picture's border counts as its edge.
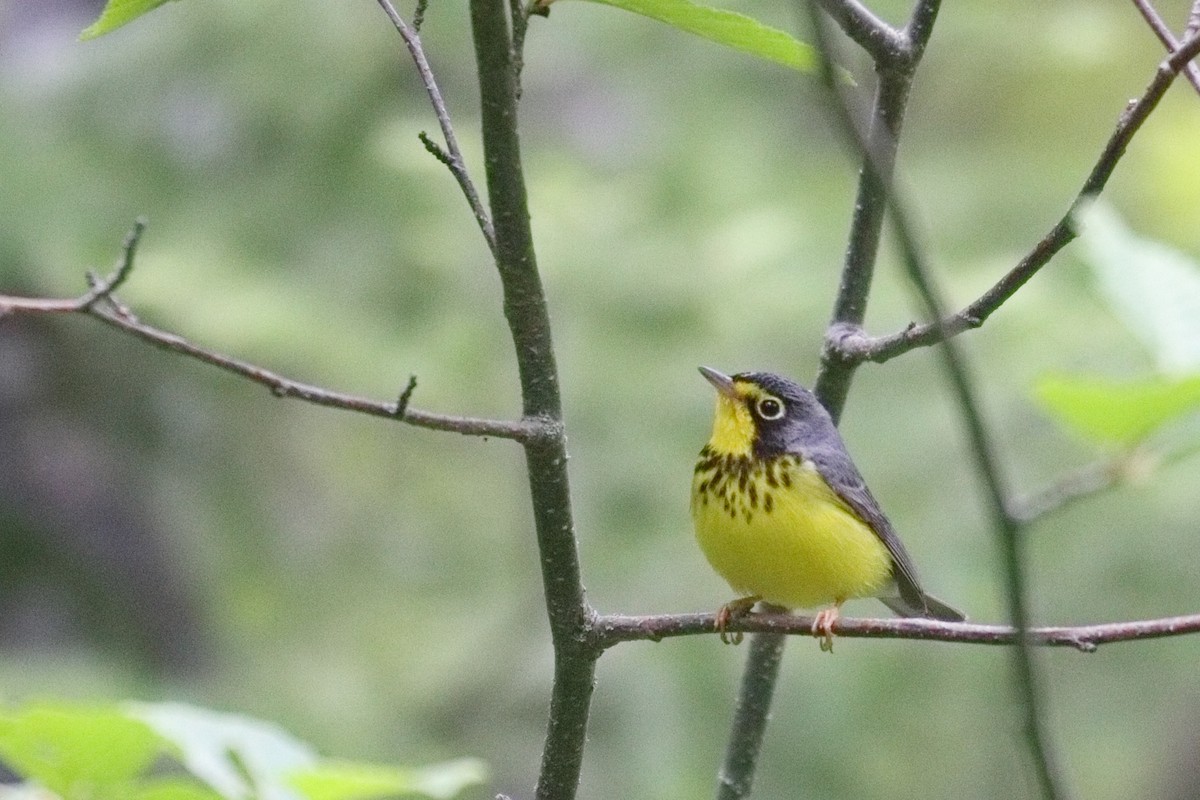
(932, 608)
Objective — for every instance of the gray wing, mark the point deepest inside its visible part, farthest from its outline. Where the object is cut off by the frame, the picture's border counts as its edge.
(843, 477)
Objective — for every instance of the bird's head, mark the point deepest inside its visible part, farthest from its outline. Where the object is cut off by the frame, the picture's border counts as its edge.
(759, 413)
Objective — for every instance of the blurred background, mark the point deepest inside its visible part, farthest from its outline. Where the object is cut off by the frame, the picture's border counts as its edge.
(169, 532)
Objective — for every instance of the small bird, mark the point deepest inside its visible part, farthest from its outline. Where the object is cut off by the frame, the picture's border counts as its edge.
(784, 516)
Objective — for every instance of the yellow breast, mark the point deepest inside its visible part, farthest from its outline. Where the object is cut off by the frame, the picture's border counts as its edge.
(775, 529)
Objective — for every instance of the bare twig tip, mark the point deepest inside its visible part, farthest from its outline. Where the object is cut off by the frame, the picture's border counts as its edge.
(436, 149)
(405, 396)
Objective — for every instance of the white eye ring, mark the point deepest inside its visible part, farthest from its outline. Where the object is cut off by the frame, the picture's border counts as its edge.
(770, 408)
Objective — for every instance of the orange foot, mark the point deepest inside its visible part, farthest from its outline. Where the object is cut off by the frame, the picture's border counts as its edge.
(733, 610)
(822, 626)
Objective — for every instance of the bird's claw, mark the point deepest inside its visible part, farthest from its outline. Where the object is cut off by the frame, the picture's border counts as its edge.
(822, 627)
(731, 611)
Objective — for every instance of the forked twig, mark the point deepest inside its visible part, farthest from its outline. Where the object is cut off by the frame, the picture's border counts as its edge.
(454, 157)
(99, 302)
(1164, 34)
(848, 341)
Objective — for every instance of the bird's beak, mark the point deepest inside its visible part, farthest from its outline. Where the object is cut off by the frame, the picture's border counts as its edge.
(720, 381)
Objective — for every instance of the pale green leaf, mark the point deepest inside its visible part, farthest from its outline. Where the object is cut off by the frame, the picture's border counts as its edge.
(340, 780)
(238, 756)
(1117, 412)
(77, 750)
(171, 788)
(1154, 289)
(725, 27)
(117, 13)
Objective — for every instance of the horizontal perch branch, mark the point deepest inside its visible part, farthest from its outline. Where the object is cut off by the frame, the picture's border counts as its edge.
(610, 629)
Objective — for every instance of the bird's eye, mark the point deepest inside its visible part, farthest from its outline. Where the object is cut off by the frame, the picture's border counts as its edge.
(770, 408)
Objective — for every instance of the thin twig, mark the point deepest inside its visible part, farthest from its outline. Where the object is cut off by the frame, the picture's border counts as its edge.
(1089, 480)
(98, 289)
(456, 163)
(1012, 545)
(101, 304)
(847, 341)
(280, 386)
(405, 396)
(1156, 23)
(1084, 482)
(434, 149)
(611, 629)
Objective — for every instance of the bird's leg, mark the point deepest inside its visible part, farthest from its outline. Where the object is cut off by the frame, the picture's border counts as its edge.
(822, 626)
(734, 609)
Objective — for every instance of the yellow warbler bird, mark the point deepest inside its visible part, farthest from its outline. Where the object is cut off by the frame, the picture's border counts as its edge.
(784, 516)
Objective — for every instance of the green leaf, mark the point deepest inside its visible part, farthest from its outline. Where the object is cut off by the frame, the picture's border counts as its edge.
(341, 780)
(78, 751)
(1154, 289)
(1117, 412)
(238, 756)
(117, 13)
(725, 27)
(172, 789)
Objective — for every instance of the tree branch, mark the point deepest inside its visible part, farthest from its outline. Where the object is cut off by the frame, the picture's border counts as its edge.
(613, 629)
(736, 776)
(100, 303)
(1092, 479)
(453, 155)
(1012, 543)
(847, 341)
(868, 31)
(99, 289)
(546, 457)
(982, 447)
(896, 59)
(882, 141)
(1083, 482)
(1156, 23)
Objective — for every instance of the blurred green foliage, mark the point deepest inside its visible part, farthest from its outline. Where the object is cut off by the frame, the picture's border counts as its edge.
(171, 751)
(375, 588)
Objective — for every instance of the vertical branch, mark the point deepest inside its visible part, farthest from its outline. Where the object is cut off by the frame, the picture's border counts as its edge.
(749, 722)
(546, 454)
(1006, 524)
(1008, 529)
(897, 55)
(870, 205)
